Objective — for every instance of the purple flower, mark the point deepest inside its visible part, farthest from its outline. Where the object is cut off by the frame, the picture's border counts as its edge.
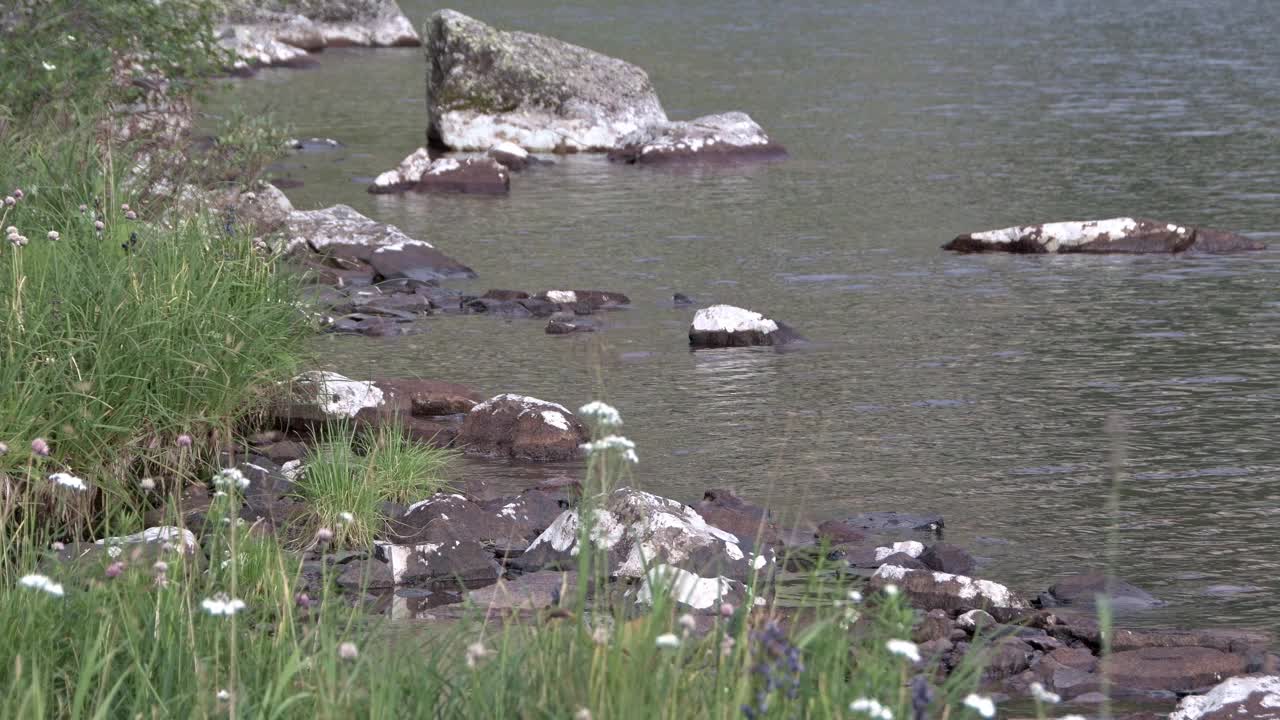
(40, 447)
(184, 441)
(115, 569)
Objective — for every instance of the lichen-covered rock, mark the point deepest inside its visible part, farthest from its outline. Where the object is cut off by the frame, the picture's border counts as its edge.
(341, 232)
(510, 155)
(465, 562)
(585, 300)
(256, 46)
(1256, 697)
(689, 590)
(522, 428)
(721, 326)
(486, 86)
(405, 175)
(936, 590)
(639, 530)
(727, 136)
(1114, 235)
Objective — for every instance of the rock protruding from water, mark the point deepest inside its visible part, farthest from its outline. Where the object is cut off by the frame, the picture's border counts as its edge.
(1085, 589)
(639, 530)
(936, 590)
(726, 136)
(486, 86)
(722, 326)
(1256, 697)
(522, 428)
(1124, 235)
(346, 241)
(418, 171)
(283, 32)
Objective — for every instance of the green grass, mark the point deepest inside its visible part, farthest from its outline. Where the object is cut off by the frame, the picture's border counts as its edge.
(344, 490)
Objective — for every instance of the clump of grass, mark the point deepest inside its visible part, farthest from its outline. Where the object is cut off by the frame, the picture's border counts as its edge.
(345, 490)
(404, 470)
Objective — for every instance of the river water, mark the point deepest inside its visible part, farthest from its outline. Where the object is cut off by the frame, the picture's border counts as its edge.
(974, 386)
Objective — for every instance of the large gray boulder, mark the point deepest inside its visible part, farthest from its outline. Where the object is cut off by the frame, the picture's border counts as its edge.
(727, 136)
(486, 86)
(1115, 235)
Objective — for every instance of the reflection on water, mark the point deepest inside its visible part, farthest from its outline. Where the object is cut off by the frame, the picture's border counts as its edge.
(973, 386)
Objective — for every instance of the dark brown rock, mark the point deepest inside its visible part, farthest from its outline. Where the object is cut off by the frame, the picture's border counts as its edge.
(471, 175)
(522, 428)
(752, 524)
(948, 558)
(935, 625)
(463, 562)
(1115, 235)
(1084, 589)
(954, 593)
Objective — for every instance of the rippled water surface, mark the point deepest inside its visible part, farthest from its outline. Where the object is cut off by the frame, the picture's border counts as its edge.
(975, 386)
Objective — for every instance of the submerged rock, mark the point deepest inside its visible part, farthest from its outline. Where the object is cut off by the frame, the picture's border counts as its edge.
(721, 326)
(523, 428)
(1180, 670)
(727, 136)
(889, 523)
(1115, 235)
(1256, 697)
(532, 591)
(486, 86)
(1084, 590)
(639, 530)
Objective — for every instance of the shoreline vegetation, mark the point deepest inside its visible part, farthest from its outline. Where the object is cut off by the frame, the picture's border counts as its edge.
(196, 523)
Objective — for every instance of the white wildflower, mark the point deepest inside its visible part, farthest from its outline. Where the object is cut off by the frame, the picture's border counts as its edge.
(602, 413)
(68, 480)
(224, 695)
(53, 235)
(476, 652)
(891, 590)
(855, 596)
(220, 604)
(48, 66)
(1039, 692)
(230, 478)
(147, 484)
(984, 706)
(582, 714)
(346, 517)
(348, 651)
(905, 648)
(40, 582)
(667, 641)
(613, 442)
(687, 623)
(871, 708)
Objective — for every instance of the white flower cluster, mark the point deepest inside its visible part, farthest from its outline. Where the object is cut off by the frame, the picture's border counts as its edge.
(905, 648)
(984, 706)
(230, 478)
(613, 442)
(67, 480)
(871, 708)
(40, 582)
(220, 604)
(601, 413)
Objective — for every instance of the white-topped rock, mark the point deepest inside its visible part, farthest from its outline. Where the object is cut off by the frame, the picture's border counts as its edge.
(640, 530)
(1256, 697)
(937, 590)
(522, 427)
(341, 231)
(730, 326)
(726, 136)
(420, 172)
(1113, 235)
(510, 155)
(405, 175)
(337, 396)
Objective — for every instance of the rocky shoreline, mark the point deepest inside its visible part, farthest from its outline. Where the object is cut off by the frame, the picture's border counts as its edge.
(517, 553)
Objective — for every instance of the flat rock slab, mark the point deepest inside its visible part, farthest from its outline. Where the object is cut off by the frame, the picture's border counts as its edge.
(1115, 235)
(730, 136)
(1177, 670)
(486, 86)
(1084, 590)
(342, 232)
(533, 591)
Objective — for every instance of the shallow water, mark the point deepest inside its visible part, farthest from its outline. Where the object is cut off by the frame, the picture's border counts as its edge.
(975, 386)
